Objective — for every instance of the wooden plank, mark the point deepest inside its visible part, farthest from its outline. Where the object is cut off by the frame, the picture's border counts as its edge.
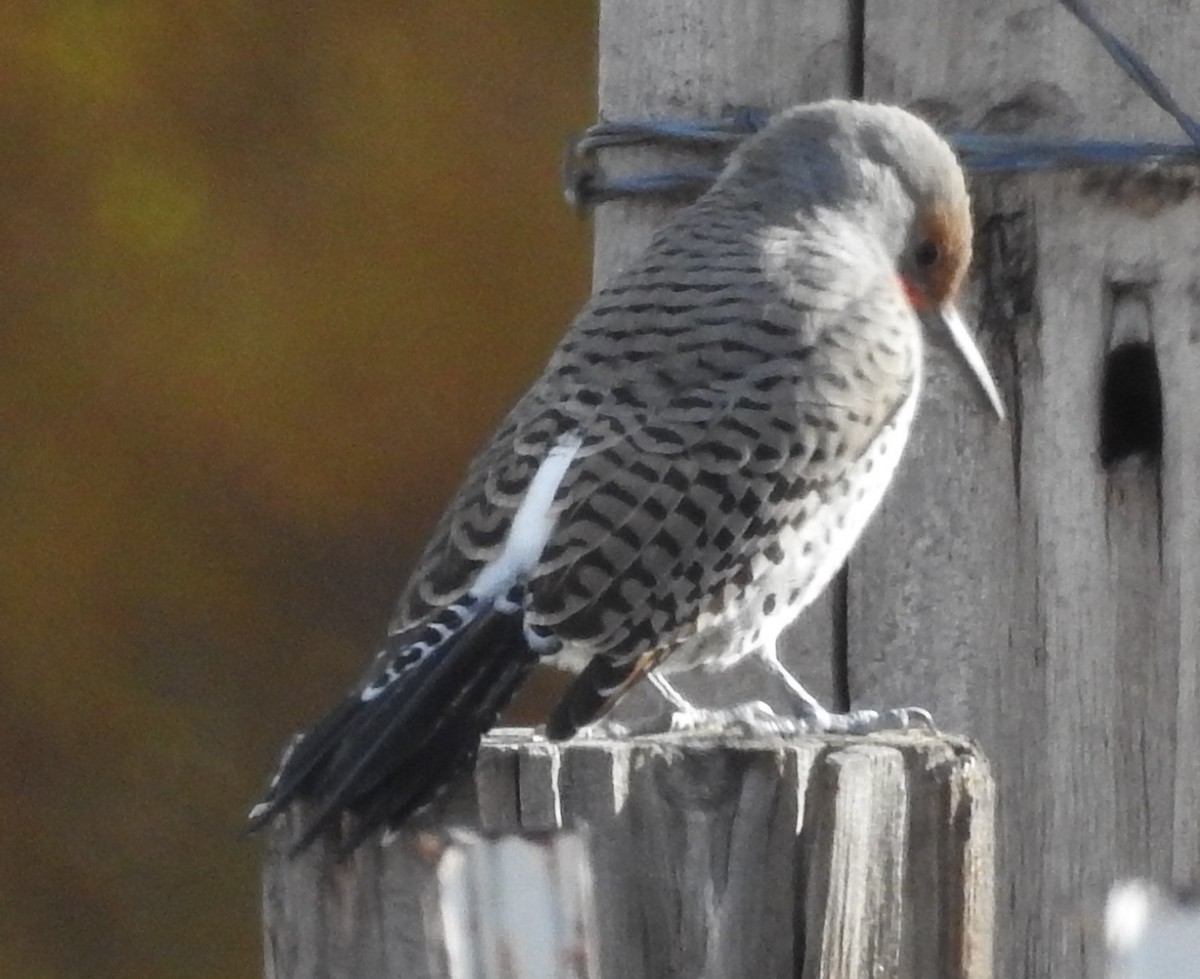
(697, 59)
(515, 906)
(668, 857)
(861, 867)
(1177, 340)
(1015, 585)
(367, 915)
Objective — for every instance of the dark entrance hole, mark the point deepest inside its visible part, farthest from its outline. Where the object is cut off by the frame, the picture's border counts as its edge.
(1131, 421)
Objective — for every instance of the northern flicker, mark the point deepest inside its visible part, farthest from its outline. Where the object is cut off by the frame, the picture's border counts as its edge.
(699, 456)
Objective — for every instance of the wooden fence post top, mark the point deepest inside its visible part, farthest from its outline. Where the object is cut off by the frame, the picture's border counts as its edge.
(671, 855)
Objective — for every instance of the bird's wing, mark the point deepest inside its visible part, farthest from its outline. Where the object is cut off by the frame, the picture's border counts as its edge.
(718, 337)
(660, 523)
(672, 488)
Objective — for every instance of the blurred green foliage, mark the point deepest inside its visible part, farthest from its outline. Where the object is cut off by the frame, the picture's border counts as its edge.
(268, 273)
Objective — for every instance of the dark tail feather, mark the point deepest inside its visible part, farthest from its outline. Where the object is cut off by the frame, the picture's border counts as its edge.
(593, 692)
(382, 759)
(457, 746)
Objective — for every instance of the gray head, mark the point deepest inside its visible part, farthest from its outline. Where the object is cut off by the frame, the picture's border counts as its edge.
(889, 175)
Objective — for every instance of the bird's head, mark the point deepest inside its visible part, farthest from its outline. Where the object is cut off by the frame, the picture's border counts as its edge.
(935, 251)
(863, 172)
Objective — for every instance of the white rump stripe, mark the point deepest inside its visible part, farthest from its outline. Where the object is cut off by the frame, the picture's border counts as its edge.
(532, 524)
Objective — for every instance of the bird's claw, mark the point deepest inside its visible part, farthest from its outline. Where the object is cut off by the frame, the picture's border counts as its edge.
(869, 721)
(746, 720)
(610, 730)
(755, 718)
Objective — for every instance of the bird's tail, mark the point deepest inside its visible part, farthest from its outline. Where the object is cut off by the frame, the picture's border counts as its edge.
(590, 696)
(386, 749)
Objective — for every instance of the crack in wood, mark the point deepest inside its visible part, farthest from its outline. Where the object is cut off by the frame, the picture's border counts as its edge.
(1006, 241)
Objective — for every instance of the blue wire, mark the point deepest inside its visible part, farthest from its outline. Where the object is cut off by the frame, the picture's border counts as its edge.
(980, 153)
(1135, 68)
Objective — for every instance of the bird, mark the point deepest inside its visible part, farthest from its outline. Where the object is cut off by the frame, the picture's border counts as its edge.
(704, 447)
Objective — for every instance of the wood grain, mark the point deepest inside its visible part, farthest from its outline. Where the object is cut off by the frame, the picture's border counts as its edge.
(1025, 592)
(653, 858)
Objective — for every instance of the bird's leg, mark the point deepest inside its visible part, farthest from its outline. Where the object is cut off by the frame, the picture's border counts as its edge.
(756, 718)
(678, 706)
(686, 716)
(669, 693)
(806, 704)
(682, 716)
(811, 716)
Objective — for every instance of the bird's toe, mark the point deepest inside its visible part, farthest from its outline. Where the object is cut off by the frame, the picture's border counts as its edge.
(869, 721)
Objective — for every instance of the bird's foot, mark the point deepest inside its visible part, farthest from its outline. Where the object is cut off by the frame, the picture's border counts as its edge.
(812, 718)
(745, 720)
(867, 721)
(607, 731)
(757, 719)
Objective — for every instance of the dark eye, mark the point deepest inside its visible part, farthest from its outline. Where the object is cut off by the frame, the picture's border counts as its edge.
(927, 253)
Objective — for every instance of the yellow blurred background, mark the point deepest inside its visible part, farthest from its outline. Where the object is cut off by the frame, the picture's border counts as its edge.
(268, 273)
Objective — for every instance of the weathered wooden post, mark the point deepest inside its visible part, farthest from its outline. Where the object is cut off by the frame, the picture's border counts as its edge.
(663, 857)
(1038, 593)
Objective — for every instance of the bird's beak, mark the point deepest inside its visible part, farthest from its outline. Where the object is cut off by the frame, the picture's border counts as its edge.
(946, 321)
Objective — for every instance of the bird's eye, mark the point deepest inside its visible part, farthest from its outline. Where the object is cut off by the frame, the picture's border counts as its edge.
(927, 253)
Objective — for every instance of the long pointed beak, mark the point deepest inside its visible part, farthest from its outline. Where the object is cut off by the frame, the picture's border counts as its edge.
(946, 321)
